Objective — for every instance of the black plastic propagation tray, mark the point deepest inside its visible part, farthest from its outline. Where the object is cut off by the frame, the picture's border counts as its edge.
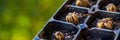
(86, 28)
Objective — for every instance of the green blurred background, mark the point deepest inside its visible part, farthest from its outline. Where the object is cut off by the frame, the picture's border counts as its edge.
(23, 19)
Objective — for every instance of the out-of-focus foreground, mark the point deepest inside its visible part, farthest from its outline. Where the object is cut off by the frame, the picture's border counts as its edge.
(23, 19)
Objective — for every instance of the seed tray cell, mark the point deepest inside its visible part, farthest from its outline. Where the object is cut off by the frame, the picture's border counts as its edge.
(91, 3)
(96, 34)
(102, 14)
(80, 12)
(49, 30)
(104, 3)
